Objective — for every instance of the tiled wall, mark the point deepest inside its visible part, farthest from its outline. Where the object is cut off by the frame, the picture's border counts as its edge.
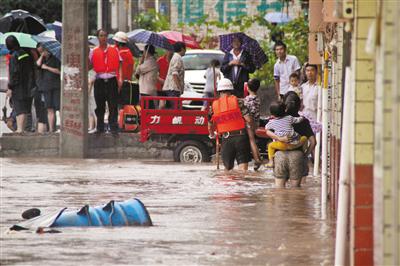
(362, 182)
(386, 185)
(375, 150)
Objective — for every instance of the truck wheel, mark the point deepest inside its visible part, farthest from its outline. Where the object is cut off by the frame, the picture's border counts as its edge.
(191, 151)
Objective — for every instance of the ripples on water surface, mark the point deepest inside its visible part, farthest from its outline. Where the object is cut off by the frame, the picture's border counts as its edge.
(201, 216)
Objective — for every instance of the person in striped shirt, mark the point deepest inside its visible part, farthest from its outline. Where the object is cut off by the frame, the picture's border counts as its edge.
(281, 125)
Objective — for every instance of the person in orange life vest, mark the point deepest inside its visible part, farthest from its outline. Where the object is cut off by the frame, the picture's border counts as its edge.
(231, 118)
(106, 62)
(128, 63)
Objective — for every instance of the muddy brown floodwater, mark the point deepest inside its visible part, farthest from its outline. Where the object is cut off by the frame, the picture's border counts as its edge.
(201, 216)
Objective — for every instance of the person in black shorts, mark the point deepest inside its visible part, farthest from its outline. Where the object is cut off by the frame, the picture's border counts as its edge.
(21, 81)
(231, 118)
(50, 85)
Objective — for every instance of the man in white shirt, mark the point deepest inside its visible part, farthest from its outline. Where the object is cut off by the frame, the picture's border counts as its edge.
(310, 91)
(283, 68)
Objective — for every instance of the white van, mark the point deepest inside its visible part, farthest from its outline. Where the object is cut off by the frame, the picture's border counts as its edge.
(196, 62)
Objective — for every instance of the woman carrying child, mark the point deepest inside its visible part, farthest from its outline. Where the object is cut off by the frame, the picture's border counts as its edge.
(281, 124)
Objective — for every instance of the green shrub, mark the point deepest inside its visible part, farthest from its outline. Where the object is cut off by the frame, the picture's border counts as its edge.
(153, 21)
(295, 37)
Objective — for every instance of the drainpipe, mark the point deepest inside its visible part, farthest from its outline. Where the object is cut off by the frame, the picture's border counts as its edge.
(100, 14)
(344, 176)
(128, 4)
(324, 168)
(318, 137)
(157, 6)
(395, 142)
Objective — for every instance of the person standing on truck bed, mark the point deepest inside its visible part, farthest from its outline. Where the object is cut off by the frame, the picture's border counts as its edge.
(163, 65)
(231, 118)
(175, 81)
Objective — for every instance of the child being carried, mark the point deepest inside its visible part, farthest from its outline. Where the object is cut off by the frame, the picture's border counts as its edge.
(281, 125)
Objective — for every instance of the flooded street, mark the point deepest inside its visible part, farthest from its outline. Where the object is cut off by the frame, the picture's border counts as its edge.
(201, 216)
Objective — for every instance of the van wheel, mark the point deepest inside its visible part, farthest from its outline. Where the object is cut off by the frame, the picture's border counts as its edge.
(191, 151)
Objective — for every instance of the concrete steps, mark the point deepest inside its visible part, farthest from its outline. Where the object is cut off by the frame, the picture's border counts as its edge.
(126, 145)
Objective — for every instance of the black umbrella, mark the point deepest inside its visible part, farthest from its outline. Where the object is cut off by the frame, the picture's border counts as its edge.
(21, 21)
(134, 49)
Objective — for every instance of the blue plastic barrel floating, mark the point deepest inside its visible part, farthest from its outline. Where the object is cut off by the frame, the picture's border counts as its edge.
(127, 213)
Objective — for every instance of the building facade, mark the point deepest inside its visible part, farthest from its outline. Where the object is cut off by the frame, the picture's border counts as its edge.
(364, 35)
(185, 12)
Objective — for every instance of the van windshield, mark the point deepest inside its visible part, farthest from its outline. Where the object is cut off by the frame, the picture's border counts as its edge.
(200, 61)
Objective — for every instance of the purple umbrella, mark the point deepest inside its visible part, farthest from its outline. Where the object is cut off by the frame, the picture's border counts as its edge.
(149, 37)
(57, 27)
(248, 44)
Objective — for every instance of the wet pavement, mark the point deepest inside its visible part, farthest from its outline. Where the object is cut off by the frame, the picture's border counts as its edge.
(201, 216)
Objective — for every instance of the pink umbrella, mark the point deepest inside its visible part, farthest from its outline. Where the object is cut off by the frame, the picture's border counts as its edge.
(175, 36)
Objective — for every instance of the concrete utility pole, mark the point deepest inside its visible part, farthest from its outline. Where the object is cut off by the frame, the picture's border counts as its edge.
(74, 94)
(99, 14)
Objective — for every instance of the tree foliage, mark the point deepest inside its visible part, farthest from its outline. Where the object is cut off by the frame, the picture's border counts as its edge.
(295, 37)
(296, 40)
(153, 21)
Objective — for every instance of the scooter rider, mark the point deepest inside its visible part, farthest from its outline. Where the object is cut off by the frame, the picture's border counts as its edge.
(229, 117)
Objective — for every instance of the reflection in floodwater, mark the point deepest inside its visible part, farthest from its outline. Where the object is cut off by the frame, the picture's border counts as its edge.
(200, 216)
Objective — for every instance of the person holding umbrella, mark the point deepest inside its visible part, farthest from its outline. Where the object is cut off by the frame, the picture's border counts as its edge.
(237, 65)
(37, 93)
(106, 62)
(50, 84)
(147, 72)
(21, 81)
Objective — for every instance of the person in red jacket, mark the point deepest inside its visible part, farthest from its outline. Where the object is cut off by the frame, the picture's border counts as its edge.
(163, 64)
(106, 62)
(128, 63)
